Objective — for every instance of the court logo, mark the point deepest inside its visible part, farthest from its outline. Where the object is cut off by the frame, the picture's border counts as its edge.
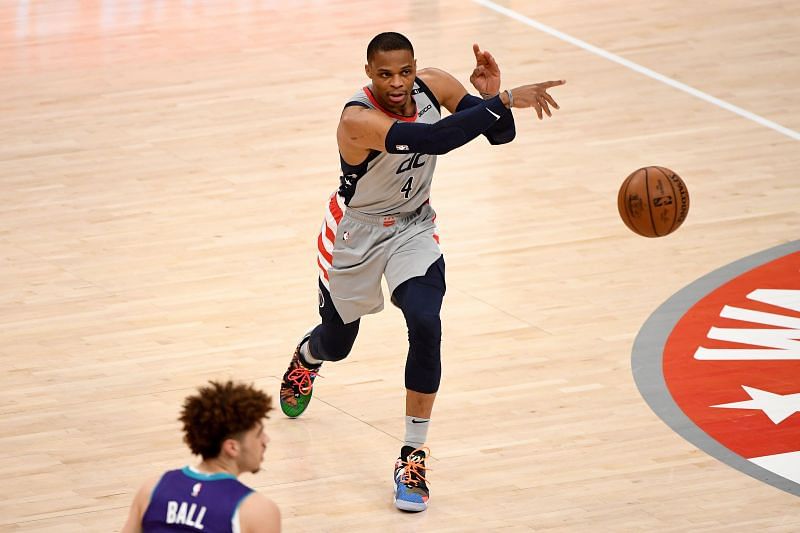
(719, 362)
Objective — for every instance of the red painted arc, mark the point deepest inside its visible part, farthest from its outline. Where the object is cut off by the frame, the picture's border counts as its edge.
(697, 385)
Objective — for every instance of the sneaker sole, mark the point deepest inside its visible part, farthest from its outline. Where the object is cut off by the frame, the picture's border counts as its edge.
(403, 505)
(294, 412)
(410, 506)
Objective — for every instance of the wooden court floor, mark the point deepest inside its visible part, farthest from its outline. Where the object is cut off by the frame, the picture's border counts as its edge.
(163, 169)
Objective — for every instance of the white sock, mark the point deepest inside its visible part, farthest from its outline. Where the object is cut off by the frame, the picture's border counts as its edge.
(416, 431)
(306, 355)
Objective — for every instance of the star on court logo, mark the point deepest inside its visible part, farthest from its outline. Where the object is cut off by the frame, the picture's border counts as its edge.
(719, 362)
(777, 407)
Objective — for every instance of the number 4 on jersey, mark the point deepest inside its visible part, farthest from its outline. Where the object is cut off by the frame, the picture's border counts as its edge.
(406, 189)
(415, 161)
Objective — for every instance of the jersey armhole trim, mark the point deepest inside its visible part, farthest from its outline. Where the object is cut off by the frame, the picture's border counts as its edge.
(353, 102)
(354, 168)
(153, 493)
(429, 93)
(236, 521)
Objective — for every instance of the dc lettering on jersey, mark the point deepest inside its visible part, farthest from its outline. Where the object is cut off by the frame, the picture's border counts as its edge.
(415, 161)
(184, 513)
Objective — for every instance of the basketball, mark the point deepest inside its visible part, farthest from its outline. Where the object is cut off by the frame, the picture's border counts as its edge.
(653, 201)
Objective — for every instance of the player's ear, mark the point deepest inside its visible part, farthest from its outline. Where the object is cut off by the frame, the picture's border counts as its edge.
(368, 70)
(231, 447)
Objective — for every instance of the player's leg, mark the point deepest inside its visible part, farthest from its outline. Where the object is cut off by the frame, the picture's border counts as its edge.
(331, 340)
(420, 299)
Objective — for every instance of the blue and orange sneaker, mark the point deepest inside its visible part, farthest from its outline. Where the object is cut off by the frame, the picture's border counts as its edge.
(410, 486)
(298, 383)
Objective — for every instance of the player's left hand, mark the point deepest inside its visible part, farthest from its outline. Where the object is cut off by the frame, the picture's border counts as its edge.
(486, 76)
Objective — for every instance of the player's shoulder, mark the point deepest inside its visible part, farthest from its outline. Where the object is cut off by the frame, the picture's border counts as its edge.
(149, 485)
(446, 89)
(259, 514)
(435, 76)
(142, 498)
(358, 116)
(359, 102)
(139, 505)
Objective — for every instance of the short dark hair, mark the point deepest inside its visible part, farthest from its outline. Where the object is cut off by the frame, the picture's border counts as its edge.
(221, 411)
(386, 42)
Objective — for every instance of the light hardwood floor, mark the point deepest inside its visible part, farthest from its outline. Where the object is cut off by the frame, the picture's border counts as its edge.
(163, 169)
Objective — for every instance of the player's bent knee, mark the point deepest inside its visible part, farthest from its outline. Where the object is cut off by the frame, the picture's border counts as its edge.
(329, 343)
(424, 367)
(424, 328)
(332, 355)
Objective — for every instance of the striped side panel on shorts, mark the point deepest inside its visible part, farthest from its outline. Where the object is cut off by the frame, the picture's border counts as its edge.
(327, 235)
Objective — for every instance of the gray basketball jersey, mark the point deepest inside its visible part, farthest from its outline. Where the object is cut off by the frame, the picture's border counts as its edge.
(386, 184)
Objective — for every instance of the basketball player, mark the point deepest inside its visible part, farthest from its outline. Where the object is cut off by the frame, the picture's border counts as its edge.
(380, 222)
(223, 424)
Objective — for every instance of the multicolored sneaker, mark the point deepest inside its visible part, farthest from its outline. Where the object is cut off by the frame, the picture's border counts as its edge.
(298, 383)
(410, 489)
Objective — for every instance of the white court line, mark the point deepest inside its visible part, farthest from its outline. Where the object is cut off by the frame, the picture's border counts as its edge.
(640, 69)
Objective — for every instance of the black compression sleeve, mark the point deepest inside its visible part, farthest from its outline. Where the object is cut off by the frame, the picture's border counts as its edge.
(449, 133)
(503, 131)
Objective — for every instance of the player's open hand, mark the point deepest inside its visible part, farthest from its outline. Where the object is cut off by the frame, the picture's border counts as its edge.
(486, 75)
(536, 96)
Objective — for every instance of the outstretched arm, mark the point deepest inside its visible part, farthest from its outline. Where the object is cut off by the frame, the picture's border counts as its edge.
(447, 134)
(453, 96)
(366, 129)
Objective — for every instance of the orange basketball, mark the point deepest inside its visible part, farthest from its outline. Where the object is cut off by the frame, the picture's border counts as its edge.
(653, 201)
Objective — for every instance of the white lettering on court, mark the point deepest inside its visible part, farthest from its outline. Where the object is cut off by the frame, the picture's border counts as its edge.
(772, 344)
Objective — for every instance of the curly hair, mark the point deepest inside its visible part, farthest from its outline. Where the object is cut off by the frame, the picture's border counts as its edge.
(221, 411)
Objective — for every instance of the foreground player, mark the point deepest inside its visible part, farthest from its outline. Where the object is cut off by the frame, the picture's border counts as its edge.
(223, 423)
(380, 223)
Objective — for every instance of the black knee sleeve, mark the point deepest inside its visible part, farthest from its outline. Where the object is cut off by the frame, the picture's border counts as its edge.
(330, 342)
(420, 299)
(333, 339)
(423, 365)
